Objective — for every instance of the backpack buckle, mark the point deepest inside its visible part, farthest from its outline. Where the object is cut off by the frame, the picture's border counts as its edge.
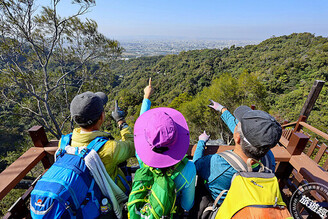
(84, 152)
(69, 208)
(59, 153)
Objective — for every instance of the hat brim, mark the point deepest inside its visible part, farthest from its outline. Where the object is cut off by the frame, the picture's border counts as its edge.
(103, 97)
(176, 151)
(240, 112)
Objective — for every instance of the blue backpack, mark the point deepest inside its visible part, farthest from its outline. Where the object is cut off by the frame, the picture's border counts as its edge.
(67, 189)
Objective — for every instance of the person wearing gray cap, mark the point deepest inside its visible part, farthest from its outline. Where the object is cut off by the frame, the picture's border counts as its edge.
(255, 132)
(87, 111)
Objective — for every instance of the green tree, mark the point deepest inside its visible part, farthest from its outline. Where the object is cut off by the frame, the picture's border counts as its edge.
(228, 91)
(47, 59)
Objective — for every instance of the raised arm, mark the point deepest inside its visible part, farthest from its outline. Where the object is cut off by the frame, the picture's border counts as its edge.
(226, 116)
(146, 102)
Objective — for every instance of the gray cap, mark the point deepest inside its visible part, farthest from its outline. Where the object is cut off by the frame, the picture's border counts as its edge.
(87, 107)
(259, 128)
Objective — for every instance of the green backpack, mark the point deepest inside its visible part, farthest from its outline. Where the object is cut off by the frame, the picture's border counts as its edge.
(153, 192)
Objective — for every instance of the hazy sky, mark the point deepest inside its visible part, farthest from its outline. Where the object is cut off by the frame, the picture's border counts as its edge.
(228, 19)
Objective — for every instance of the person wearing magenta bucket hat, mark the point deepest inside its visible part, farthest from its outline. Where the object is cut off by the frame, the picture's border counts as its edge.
(161, 138)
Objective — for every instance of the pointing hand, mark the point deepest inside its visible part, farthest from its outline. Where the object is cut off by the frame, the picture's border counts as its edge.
(204, 137)
(216, 106)
(118, 114)
(148, 90)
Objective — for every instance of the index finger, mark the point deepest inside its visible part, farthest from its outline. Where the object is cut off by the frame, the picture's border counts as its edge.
(149, 82)
(116, 105)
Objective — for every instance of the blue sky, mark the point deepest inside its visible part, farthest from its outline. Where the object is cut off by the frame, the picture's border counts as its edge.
(215, 19)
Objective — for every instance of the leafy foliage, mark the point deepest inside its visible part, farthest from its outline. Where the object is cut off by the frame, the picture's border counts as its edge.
(46, 60)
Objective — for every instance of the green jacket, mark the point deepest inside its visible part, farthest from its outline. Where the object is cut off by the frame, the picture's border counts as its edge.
(112, 153)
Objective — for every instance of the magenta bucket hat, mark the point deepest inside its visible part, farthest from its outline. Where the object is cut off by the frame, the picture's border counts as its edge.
(161, 137)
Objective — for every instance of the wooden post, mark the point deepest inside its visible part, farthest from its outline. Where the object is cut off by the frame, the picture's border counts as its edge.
(297, 143)
(295, 146)
(38, 136)
(312, 97)
(40, 139)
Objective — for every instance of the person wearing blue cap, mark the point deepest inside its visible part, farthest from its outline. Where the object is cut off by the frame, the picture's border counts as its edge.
(87, 111)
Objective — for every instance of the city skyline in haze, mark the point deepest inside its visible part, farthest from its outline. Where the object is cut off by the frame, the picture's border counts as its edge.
(207, 19)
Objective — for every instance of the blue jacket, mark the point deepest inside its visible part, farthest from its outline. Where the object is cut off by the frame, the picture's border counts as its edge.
(184, 182)
(216, 170)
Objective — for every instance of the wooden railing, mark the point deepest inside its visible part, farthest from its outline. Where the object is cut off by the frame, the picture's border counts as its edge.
(42, 151)
(315, 149)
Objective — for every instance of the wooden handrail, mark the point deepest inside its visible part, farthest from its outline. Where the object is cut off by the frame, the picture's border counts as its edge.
(13, 174)
(17, 170)
(315, 130)
(288, 124)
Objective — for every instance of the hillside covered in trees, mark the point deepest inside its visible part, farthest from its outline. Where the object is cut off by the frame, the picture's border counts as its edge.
(275, 75)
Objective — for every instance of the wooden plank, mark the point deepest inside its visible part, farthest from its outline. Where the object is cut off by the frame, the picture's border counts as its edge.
(17, 170)
(312, 147)
(320, 153)
(315, 130)
(312, 97)
(284, 141)
(310, 170)
(288, 124)
(280, 153)
(209, 149)
(50, 150)
(325, 166)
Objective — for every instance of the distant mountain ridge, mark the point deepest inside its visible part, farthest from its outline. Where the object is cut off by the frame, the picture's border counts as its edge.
(281, 63)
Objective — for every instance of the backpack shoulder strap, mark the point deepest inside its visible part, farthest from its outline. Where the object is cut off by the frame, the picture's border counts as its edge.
(214, 206)
(97, 143)
(234, 160)
(65, 140)
(267, 162)
(179, 167)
